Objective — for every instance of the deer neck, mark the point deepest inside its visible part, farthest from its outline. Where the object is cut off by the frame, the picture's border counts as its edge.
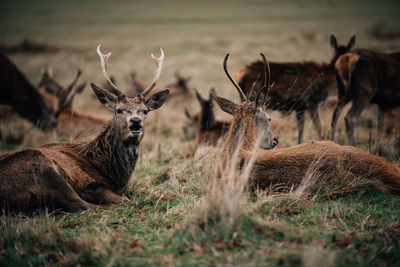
(115, 160)
(207, 119)
(242, 133)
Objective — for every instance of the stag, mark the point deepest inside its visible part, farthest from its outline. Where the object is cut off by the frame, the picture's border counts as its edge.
(76, 176)
(288, 166)
(209, 130)
(18, 93)
(72, 123)
(364, 77)
(297, 86)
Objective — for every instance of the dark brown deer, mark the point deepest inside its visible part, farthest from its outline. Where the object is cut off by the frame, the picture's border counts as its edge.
(180, 87)
(289, 166)
(297, 86)
(17, 92)
(75, 176)
(365, 77)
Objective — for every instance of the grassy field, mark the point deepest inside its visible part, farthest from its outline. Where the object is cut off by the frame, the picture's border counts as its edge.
(176, 214)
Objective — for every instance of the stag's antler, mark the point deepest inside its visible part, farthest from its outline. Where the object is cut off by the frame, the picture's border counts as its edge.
(159, 62)
(243, 97)
(104, 62)
(267, 76)
(78, 74)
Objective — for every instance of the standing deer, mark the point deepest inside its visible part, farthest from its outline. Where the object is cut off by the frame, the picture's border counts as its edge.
(365, 77)
(288, 166)
(297, 86)
(75, 176)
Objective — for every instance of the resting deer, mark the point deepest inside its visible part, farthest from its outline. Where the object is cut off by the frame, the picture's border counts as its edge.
(288, 166)
(180, 87)
(75, 176)
(297, 86)
(208, 130)
(73, 123)
(16, 91)
(365, 77)
(136, 86)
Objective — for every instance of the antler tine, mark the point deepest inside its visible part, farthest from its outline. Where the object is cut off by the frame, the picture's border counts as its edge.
(267, 76)
(243, 97)
(104, 62)
(78, 74)
(159, 62)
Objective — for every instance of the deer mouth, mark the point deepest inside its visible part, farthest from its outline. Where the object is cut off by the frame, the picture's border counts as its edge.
(135, 129)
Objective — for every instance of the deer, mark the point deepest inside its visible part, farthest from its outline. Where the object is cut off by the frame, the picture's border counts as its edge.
(82, 175)
(136, 86)
(297, 86)
(180, 87)
(366, 77)
(288, 166)
(72, 123)
(18, 93)
(208, 130)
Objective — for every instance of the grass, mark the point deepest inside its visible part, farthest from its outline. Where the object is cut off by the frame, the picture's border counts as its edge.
(177, 214)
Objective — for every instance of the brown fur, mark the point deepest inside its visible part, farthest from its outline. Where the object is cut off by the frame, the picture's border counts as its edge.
(75, 176)
(297, 86)
(17, 92)
(288, 166)
(365, 77)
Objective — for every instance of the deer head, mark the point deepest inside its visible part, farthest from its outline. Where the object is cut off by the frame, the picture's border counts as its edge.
(254, 108)
(340, 49)
(189, 129)
(130, 112)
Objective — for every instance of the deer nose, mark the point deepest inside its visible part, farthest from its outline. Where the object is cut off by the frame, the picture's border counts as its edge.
(135, 120)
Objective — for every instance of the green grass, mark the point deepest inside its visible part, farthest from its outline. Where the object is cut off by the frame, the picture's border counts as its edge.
(173, 216)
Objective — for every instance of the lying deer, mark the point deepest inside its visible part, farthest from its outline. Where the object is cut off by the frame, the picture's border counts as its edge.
(366, 77)
(289, 166)
(18, 93)
(76, 176)
(297, 86)
(72, 123)
(208, 130)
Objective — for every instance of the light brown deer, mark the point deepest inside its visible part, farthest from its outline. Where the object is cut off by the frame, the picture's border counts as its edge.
(365, 77)
(75, 176)
(208, 130)
(288, 166)
(72, 123)
(297, 86)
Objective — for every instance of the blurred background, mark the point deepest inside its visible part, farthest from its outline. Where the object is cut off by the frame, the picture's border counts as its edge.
(195, 36)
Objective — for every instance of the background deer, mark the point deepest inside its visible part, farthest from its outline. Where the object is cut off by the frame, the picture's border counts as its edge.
(16, 91)
(297, 86)
(74, 176)
(289, 166)
(365, 77)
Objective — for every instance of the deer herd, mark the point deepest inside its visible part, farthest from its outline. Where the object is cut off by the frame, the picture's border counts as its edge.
(93, 171)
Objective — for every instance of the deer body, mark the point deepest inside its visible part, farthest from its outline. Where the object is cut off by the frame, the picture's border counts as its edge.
(366, 77)
(17, 92)
(289, 166)
(297, 86)
(77, 176)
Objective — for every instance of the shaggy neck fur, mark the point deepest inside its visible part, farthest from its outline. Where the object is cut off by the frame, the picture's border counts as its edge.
(242, 133)
(112, 157)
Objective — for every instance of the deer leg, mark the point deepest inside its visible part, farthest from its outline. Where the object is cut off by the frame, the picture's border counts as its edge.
(336, 114)
(355, 111)
(300, 124)
(381, 117)
(317, 123)
(98, 193)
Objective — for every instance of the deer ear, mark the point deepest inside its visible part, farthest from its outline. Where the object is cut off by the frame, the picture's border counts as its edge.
(333, 42)
(351, 43)
(106, 98)
(187, 114)
(198, 96)
(225, 104)
(157, 100)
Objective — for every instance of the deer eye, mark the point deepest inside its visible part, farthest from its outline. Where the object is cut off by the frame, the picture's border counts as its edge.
(119, 111)
(269, 119)
(145, 112)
